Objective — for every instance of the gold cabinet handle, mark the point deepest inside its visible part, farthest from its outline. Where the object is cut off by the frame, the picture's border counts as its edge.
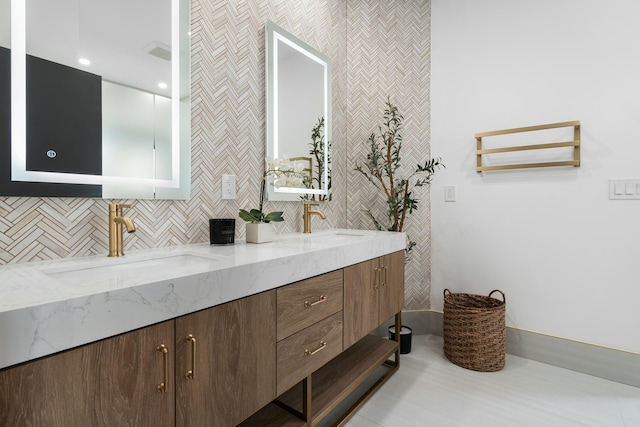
(384, 282)
(311, 353)
(377, 279)
(162, 387)
(311, 304)
(191, 374)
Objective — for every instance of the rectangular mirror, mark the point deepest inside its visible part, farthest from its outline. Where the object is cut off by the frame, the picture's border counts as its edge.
(99, 102)
(298, 109)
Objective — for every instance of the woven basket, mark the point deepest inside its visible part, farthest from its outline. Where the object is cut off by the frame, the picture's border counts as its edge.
(475, 330)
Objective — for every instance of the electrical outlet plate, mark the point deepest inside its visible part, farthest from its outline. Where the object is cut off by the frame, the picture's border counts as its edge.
(228, 187)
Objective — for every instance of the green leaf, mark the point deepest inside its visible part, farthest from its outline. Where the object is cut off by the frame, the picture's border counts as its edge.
(274, 217)
(253, 216)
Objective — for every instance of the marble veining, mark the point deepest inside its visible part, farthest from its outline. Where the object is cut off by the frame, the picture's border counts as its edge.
(50, 306)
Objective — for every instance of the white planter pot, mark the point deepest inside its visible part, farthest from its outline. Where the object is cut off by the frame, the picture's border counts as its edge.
(259, 232)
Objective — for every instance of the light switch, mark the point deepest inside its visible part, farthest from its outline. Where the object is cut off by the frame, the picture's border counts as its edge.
(449, 193)
(624, 189)
(629, 188)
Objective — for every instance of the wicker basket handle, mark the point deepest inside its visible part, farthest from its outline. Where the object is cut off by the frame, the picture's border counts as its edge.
(504, 299)
(446, 291)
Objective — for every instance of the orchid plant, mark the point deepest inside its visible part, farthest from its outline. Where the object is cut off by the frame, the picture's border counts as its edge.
(285, 173)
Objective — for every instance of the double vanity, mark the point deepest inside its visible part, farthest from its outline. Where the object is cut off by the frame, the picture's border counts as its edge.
(270, 334)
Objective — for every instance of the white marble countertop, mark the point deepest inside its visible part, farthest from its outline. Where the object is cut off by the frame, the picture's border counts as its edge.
(50, 306)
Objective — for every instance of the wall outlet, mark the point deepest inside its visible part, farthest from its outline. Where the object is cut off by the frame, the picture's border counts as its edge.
(229, 187)
(449, 193)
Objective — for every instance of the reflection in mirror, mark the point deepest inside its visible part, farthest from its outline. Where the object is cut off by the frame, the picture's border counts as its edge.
(298, 117)
(140, 53)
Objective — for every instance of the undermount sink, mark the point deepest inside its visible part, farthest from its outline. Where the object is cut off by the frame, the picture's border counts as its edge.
(334, 236)
(122, 268)
(335, 233)
(324, 237)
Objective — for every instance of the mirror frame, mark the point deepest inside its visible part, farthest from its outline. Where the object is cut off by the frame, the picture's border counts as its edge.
(273, 35)
(18, 120)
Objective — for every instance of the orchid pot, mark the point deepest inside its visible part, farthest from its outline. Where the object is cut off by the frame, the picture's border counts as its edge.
(259, 232)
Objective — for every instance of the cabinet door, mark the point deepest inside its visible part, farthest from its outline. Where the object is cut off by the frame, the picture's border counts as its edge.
(112, 382)
(361, 283)
(234, 374)
(392, 285)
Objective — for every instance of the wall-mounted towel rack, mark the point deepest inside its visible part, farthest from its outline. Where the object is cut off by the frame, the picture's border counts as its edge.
(575, 144)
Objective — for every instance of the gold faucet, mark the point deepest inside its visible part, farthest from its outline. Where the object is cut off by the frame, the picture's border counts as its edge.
(116, 221)
(306, 216)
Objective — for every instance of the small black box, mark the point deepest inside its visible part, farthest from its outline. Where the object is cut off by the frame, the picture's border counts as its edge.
(222, 231)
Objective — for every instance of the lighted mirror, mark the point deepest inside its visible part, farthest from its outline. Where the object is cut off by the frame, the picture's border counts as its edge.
(298, 108)
(99, 102)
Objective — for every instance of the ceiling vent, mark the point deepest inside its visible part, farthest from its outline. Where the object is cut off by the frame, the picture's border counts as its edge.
(159, 50)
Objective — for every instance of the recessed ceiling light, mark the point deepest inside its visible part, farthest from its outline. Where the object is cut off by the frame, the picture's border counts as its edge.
(84, 61)
(162, 85)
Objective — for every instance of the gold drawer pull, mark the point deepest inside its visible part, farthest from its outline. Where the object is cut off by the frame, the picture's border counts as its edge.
(377, 279)
(190, 374)
(311, 304)
(162, 387)
(311, 353)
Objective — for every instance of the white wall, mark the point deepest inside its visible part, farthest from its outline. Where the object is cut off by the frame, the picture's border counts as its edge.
(566, 256)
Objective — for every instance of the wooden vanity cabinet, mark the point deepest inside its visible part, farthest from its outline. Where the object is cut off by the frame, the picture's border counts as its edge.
(233, 372)
(373, 292)
(112, 382)
(392, 287)
(306, 344)
(311, 390)
(309, 325)
(115, 381)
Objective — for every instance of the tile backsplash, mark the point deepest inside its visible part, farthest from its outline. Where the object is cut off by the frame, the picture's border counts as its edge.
(376, 48)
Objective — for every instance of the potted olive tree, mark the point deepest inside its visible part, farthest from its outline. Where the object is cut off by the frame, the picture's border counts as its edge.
(382, 169)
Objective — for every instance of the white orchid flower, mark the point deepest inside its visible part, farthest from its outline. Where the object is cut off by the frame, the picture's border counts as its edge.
(295, 181)
(299, 166)
(280, 182)
(286, 168)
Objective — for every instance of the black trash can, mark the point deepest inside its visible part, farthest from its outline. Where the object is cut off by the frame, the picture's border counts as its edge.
(405, 338)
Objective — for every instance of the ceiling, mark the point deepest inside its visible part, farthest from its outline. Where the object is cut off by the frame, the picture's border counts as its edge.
(115, 35)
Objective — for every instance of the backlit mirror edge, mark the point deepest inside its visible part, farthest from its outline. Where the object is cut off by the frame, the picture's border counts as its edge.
(19, 172)
(271, 103)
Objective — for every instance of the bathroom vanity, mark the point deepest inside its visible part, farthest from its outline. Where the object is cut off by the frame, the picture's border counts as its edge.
(271, 334)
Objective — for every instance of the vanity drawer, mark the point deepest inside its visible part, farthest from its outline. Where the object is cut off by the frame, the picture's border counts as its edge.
(307, 351)
(304, 303)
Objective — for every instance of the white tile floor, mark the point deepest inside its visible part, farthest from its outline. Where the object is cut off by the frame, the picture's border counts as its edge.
(428, 390)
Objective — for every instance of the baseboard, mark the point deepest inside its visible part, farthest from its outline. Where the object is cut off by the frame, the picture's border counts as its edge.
(602, 362)
(419, 321)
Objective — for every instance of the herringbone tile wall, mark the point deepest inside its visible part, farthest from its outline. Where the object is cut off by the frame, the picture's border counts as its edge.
(389, 55)
(376, 48)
